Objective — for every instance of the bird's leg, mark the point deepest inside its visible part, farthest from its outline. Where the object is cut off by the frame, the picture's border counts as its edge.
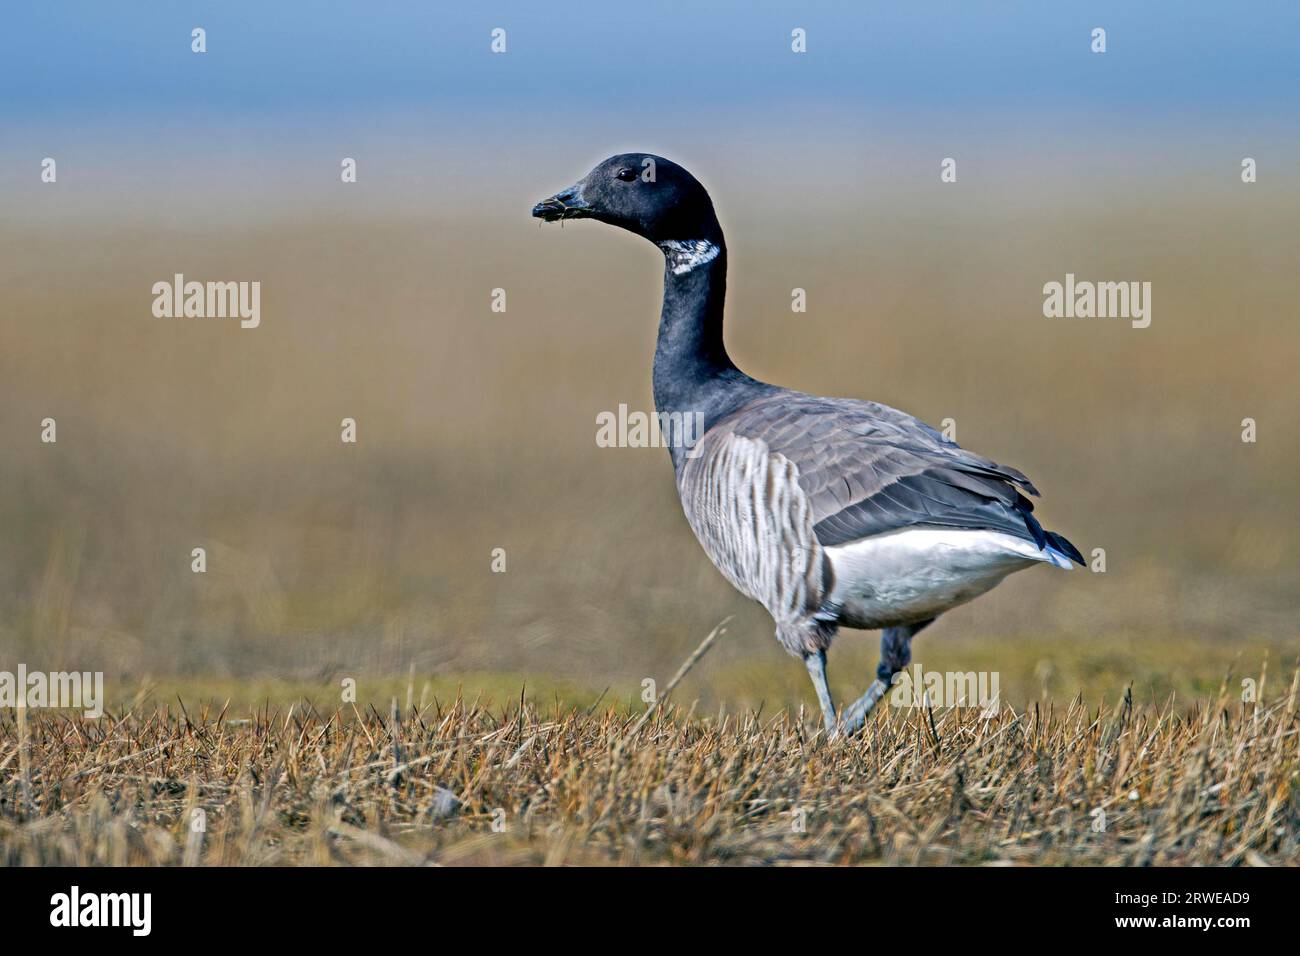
(815, 661)
(895, 654)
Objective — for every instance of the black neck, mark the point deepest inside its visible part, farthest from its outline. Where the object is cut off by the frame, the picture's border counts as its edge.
(694, 378)
(690, 355)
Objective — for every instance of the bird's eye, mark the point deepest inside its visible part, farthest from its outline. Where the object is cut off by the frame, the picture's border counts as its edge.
(626, 174)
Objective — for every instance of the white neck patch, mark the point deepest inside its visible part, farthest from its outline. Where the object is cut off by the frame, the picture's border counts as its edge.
(683, 256)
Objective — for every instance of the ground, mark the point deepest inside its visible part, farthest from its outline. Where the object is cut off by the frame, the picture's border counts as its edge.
(459, 782)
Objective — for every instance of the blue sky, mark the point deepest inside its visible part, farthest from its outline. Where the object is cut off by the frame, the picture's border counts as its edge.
(307, 62)
(141, 126)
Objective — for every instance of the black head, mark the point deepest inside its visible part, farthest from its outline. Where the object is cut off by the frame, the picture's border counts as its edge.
(648, 195)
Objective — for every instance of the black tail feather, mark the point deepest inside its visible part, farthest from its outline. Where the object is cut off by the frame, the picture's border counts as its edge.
(1060, 543)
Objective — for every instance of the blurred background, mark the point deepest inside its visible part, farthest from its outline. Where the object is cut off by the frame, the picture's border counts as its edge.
(476, 429)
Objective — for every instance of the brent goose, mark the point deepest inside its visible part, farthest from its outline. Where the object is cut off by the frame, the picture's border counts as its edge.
(829, 512)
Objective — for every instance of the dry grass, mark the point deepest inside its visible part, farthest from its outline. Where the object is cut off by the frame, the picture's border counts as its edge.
(1218, 784)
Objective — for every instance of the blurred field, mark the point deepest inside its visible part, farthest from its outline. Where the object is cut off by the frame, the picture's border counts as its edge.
(476, 431)
(462, 784)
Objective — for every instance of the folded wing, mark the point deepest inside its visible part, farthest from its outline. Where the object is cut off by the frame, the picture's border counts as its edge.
(868, 469)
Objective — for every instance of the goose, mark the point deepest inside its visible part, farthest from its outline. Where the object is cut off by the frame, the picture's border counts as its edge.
(829, 512)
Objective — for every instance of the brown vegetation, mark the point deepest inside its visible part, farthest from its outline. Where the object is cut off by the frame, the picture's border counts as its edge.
(462, 784)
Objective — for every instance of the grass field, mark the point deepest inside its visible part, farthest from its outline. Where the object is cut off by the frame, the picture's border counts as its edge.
(463, 783)
(374, 562)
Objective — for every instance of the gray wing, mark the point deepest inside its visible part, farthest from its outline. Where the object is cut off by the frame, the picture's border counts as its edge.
(868, 469)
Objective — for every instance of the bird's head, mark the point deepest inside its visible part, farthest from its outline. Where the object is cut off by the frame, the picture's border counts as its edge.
(648, 195)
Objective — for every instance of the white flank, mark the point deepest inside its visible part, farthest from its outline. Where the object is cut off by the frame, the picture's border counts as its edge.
(915, 573)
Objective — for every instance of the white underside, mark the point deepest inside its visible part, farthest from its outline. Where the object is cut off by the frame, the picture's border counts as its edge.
(911, 575)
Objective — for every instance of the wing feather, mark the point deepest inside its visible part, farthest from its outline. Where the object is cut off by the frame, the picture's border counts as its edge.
(868, 469)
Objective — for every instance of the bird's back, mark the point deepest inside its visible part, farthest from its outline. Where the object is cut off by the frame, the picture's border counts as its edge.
(783, 483)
